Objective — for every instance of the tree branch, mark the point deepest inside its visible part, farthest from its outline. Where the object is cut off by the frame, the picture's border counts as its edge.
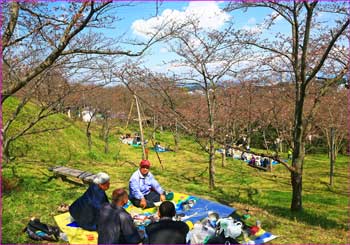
(11, 25)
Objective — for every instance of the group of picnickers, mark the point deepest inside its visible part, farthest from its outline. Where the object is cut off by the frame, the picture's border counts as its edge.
(136, 141)
(93, 211)
(244, 154)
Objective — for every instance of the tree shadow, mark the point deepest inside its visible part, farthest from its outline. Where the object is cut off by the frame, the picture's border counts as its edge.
(304, 216)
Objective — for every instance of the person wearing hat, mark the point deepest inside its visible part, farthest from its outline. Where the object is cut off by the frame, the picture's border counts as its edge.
(144, 189)
(86, 208)
(115, 225)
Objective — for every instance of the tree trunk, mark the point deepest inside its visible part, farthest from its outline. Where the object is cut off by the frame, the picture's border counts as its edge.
(106, 145)
(6, 151)
(211, 114)
(265, 142)
(297, 176)
(297, 181)
(280, 146)
(298, 152)
(176, 137)
(88, 134)
(332, 158)
(106, 135)
(223, 159)
(211, 163)
(249, 127)
(154, 126)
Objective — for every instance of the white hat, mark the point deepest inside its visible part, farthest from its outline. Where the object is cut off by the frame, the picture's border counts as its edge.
(101, 178)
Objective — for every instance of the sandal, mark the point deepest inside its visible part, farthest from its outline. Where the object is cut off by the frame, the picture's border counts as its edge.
(63, 208)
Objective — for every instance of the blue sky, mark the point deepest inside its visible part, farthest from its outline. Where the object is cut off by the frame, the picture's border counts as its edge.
(144, 11)
(141, 17)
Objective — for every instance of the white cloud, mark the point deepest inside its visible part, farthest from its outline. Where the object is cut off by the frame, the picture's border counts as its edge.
(252, 29)
(208, 15)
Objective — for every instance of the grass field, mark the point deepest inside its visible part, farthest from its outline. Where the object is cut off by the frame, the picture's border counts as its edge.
(267, 196)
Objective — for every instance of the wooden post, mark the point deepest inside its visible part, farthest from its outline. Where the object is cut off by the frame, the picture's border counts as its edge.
(176, 138)
(154, 126)
(269, 165)
(223, 159)
(332, 158)
(160, 161)
(141, 131)
(127, 122)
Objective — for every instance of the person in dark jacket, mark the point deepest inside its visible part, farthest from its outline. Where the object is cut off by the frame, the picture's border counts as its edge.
(167, 231)
(86, 208)
(115, 225)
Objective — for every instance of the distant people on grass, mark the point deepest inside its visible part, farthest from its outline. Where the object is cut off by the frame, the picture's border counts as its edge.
(266, 162)
(126, 139)
(144, 189)
(242, 142)
(258, 161)
(252, 160)
(159, 148)
(86, 208)
(115, 225)
(136, 140)
(167, 231)
(244, 156)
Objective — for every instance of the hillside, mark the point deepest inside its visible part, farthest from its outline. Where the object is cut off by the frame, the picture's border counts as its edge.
(267, 195)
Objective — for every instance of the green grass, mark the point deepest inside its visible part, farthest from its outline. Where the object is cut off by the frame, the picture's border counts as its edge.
(266, 195)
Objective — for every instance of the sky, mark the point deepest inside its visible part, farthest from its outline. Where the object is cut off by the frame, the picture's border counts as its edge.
(142, 17)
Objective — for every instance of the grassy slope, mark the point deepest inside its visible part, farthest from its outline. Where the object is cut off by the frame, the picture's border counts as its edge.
(266, 195)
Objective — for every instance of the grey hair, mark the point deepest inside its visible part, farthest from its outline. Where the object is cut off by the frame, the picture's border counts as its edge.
(101, 178)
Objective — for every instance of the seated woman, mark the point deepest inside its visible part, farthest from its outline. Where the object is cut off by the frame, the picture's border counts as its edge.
(86, 208)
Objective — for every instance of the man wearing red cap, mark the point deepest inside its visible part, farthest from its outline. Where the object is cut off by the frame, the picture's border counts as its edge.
(144, 189)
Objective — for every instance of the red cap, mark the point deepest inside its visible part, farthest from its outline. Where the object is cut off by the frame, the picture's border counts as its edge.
(145, 163)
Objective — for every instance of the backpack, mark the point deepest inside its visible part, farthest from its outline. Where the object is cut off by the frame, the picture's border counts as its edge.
(39, 231)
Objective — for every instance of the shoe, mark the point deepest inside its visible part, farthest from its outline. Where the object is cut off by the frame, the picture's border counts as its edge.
(63, 208)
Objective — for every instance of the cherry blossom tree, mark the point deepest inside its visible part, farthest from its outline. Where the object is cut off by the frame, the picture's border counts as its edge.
(312, 51)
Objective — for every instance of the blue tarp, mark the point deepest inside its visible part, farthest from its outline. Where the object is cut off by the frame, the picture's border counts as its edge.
(159, 149)
(201, 208)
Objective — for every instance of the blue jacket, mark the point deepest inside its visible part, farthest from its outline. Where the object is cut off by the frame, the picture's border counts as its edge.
(140, 185)
(86, 208)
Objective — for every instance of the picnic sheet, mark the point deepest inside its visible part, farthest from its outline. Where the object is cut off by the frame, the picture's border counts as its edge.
(75, 234)
(199, 210)
(194, 213)
(188, 208)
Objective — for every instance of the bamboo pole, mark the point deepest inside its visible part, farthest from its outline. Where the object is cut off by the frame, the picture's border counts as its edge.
(141, 130)
(127, 122)
(160, 161)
